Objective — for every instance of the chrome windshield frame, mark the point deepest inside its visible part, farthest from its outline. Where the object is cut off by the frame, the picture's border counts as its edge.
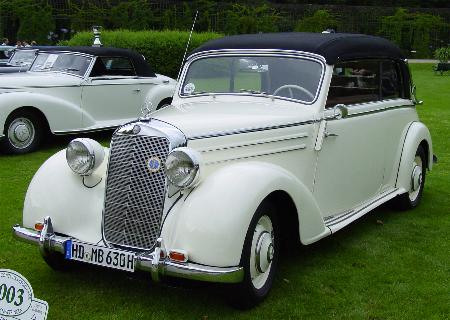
(255, 53)
(85, 55)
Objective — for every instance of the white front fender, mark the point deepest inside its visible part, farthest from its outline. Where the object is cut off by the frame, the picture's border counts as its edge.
(57, 192)
(212, 221)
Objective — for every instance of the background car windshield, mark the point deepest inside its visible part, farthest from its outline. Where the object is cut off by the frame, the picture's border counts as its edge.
(64, 62)
(285, 77)
(22, 57)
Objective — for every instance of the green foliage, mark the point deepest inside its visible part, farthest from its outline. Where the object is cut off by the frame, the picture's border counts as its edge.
(387, 265)
(321, 20)
(35, 18)
(163, 49)
(412, 31)
(134, 15)
(243, 18)
(36, 25)
(442, 54)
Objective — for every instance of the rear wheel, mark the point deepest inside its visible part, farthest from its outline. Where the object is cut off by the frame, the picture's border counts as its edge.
(259, 258)
(411, 199)
(24, 132)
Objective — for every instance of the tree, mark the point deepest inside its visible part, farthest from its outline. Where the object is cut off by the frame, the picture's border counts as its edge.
(321, 20)
(412, 31)
(251, 19)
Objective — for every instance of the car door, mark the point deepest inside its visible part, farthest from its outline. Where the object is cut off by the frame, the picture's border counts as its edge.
(112, 93)
(350, 163)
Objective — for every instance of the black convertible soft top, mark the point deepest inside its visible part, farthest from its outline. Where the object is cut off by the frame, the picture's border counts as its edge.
(143, 69)
(332, 46)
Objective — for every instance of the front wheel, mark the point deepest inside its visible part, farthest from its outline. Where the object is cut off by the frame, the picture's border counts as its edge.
(24, 132)
(259, 257)
(411, 199)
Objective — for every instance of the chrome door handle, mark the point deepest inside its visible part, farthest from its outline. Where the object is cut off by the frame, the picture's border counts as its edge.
(327, 134)
(136, 90)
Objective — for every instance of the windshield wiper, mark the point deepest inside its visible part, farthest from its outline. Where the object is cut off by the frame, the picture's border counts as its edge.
(69, 69)
(253, 91)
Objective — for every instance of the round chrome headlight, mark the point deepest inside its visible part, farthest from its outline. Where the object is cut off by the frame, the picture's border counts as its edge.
(84, 155)
(182, 167)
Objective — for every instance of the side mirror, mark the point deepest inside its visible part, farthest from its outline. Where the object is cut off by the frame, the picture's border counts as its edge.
(413, 95)
(339, 111)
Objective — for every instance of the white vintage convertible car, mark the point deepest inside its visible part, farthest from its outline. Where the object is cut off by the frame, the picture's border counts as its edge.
(287, 136)
(76, 89)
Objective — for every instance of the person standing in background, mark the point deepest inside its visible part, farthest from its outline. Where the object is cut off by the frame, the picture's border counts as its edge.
(5, 42)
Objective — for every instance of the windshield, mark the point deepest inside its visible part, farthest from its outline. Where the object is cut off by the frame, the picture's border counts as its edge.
(285, 77)
(70, 63)
(22, 57)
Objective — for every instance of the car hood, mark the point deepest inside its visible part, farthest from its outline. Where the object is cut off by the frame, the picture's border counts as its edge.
(37, 79)
(205, 119)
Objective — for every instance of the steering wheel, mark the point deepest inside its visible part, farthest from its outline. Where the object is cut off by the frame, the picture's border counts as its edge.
(296, 87)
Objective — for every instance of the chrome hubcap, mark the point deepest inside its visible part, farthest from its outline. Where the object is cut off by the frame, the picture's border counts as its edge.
(21, 133)
(416, 178)
(262, 251)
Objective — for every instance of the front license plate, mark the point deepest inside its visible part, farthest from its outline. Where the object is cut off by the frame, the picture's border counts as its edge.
(101, 256)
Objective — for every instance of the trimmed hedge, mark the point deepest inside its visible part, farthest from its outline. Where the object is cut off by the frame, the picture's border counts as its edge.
(163, 49)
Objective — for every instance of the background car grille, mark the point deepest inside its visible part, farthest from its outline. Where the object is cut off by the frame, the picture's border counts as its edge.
(134, 195)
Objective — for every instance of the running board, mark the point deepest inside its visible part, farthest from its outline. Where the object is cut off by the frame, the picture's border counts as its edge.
(336, 223)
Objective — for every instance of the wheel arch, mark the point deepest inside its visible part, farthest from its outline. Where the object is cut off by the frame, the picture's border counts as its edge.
(33, 109)
(417, 135)
(163, 102)
(288, 215)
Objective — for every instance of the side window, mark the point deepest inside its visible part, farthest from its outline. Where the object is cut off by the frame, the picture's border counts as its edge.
(354, 82)
(391, 85)
(113, 66)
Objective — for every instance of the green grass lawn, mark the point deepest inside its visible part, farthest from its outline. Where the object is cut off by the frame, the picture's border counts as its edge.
(387, 265)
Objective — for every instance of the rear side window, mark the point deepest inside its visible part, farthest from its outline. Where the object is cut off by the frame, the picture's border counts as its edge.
(364, 81)
(113, 66)
(391, 85)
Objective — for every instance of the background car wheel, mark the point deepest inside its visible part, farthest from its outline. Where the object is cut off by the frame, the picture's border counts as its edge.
(259, 258)
(411, 199)
(24, 132)
(163, 103)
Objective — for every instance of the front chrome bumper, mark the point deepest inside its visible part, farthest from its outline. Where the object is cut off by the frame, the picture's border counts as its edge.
(152, 262)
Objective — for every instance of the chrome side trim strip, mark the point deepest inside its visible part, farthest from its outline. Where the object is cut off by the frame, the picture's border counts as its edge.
(276, 151)
(261, 141)
(248, 130)
(354, 212)
(154, 263)
(375, 110)
(85, 130)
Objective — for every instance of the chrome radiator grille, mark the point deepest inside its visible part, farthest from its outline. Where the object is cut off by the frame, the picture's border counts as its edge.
(134, 195)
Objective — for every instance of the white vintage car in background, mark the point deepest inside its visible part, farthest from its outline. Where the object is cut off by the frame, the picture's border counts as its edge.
(77, 89)
(270, 136)
(5, 54)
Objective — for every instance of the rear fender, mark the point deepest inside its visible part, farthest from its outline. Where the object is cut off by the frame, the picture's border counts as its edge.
(417, 133)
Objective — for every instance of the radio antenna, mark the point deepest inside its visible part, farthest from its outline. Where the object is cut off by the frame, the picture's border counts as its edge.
(187, 45)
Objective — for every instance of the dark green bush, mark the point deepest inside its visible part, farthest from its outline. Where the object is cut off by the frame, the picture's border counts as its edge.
(241, 18)
(163, 49)
(412, 31)
(442, 54)
(321, 20)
